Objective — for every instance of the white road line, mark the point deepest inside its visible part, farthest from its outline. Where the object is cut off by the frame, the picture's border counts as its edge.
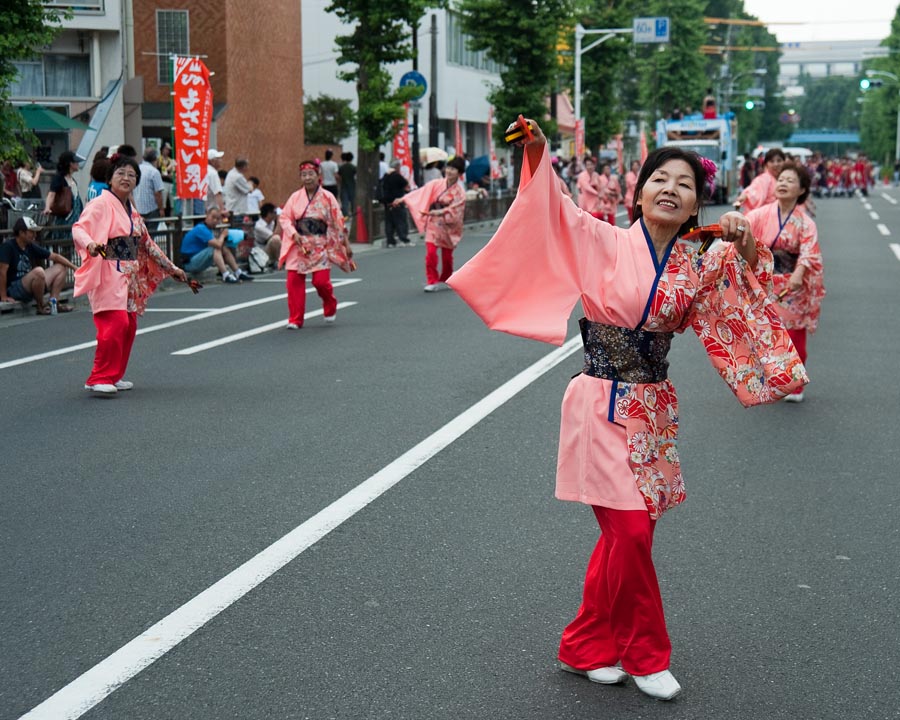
(83, 693)
(874, 216)
(896, 248)
(250, 333)
(887, 197)
(883, 229)
(164, 326)
(178, 310)
(866, 205)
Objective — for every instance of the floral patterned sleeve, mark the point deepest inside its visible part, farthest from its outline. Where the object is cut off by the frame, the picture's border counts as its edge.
(740, 328)
(155, 252)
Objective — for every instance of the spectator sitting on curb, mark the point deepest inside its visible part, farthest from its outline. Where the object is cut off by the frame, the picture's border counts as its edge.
(21, 276)
(200, 249)
(266, 232)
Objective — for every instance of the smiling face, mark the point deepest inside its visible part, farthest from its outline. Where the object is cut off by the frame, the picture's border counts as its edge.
(669, 197)
(788, 186)
(452, 174)
(773, 166)
(122, 181)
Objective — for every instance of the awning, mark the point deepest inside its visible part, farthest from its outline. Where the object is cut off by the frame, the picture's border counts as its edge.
(42, 119)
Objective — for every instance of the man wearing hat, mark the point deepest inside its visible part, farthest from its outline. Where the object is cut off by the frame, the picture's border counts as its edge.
(214, 197)
(22, 276)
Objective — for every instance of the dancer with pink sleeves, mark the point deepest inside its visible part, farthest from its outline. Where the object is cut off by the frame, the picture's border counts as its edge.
(438, 209)
(589, 187)
(630, 182)
(314, 238)
(792, 236)
(761, 191)
(121, 268)
(618, 435)
(610, 196)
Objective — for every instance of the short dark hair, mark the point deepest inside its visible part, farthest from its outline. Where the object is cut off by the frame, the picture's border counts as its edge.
(66, 158)
(100, 170)
(458, 163)
(127, 150)
(347, 157)
(118, 161)
(241, 162)
(775, 153)
(802, 176)
(328, 154)
(656, 160)
(266, 209)
(254, 180)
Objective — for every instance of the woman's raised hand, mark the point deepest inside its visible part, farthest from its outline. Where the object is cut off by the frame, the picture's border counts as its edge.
(538, 135)
(736, 229)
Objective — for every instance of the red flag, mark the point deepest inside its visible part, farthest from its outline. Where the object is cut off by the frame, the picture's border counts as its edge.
(492, 154)
(579, 138)
(193, 116)
(401, 142)
(620, 151)
(643, 147)
(457, 139)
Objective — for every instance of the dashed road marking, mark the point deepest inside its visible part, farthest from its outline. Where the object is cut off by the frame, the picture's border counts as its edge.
(896, 248)
(883, 229)
(874, 215)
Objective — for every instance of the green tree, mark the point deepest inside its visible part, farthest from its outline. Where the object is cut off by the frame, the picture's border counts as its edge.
(879, 116)
(28, 26)
(381, 35)
(829, 103)
(523, 39)
(327, 120)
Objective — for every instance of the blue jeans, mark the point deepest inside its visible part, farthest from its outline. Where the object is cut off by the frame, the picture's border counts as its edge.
(200, 261)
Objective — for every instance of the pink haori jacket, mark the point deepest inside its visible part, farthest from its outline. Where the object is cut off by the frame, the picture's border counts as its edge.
(618, 440)
(761, 191)
(112, 284)
(315, 251)
(797, 236)
(446, 229)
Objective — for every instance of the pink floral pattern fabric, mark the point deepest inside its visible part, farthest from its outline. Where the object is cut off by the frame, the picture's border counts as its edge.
(445, 229)
(314, 252)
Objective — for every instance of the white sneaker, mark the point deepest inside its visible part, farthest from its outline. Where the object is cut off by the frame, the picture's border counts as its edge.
(431, 287)
(229, 277)
(611, 675)
(794, 397)
(443, 286)
(124, 385)
(292, 326)
(102, 389)
(329, 319)
(661, 685)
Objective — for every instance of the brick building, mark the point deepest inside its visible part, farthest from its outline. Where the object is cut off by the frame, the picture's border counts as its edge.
(254, 50)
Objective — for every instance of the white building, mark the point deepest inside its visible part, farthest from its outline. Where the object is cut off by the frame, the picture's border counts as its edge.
(82, 75)
(842, 58)
(462, 77)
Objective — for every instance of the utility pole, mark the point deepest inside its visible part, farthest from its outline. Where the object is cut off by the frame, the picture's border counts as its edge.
(432, 99)
(417, 165)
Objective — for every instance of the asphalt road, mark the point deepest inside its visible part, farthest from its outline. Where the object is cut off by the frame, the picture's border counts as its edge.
(443, 597)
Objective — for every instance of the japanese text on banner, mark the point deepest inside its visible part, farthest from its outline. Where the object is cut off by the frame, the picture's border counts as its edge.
(193, 115)
(401, 143)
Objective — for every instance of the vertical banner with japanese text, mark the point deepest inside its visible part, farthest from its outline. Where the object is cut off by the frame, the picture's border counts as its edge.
(579, 138)
(457, 135)
(401, 142)
(192, 100)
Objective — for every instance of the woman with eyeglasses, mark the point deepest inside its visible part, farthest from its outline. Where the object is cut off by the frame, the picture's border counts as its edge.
(120, 269)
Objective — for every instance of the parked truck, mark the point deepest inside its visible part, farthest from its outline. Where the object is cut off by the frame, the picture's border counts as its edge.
(714, 138)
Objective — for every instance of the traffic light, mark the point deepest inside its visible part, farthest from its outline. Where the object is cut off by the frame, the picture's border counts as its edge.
(749, 105)
(868, 83)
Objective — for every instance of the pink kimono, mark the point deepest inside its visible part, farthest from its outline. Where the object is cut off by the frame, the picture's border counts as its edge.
(589, 191)
(111, 283)
(631, 179)
(759, 192)
(618, 437)
(320, 222)
(793, 241)
(444, 230)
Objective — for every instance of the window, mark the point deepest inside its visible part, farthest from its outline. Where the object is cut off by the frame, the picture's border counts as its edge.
(76, 6)
(458, 52)
(53, 76)
(172, 38)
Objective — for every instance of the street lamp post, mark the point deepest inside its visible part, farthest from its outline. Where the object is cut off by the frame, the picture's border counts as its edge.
(758, 71)
(891, 76)
(580, 32)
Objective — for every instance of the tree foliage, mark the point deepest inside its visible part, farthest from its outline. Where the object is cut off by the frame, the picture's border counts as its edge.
(28, 26)
(879, 116)
(829, 103)
(327, 120)
(522, 38)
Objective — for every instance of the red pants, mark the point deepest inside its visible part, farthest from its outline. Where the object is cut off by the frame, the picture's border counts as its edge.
(431, 264)
(621, 615)
(607, 217)
(115, 336)
(296, 290)
(798, 337)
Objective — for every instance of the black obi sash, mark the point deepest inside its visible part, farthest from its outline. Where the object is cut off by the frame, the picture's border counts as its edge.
(311, 226)
(618, 353)
(122, 248)
(785, 262)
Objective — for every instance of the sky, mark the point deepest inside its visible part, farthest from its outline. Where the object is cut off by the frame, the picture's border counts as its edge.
(822, 20)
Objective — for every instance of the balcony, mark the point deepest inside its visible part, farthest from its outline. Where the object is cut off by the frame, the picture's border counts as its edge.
(77, 6)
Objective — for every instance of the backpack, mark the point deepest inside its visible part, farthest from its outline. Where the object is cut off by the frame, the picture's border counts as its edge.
(257, 260)
(378, 194)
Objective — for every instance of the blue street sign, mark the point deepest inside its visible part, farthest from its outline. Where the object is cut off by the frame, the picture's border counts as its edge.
(651, 30)
(417, 79)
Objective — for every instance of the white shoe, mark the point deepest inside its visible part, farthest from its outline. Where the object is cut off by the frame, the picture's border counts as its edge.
(432, 287)
(124, 385)
(292, 326)
(102, 389)
(329, 319)
(443, 286)
(661, 685)
(229, 277)
(610, 675)
(794, 397)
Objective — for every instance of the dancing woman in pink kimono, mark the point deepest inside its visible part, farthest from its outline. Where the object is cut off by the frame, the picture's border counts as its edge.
(762, 190)
(438, 209)
(791, 235)
(120, 269)
(312, 226)
(618, 432)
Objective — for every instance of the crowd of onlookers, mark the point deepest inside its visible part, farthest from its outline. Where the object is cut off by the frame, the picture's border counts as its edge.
(829, 176)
